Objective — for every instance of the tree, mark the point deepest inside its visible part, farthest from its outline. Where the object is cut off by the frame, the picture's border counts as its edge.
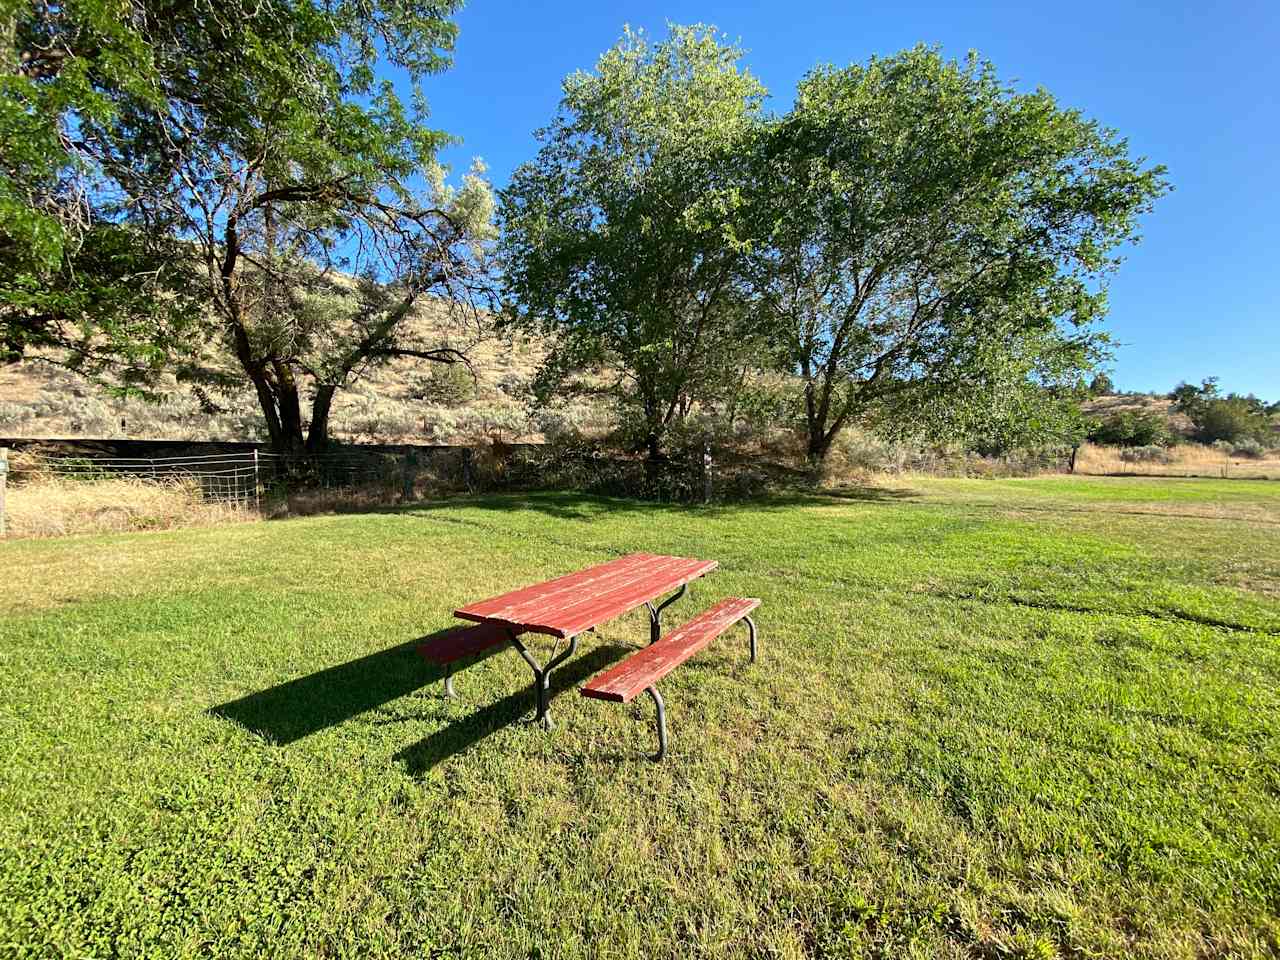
(1133, 429)
(71, 276)
(1101, 386)
(937, 243)
(1215, 417)
(261, 143)
(622, 238)
(1188, 398)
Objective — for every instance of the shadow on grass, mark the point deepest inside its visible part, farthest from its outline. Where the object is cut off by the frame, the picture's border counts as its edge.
(453, 739)
(586, 506)
(574, 505)
(301, 707)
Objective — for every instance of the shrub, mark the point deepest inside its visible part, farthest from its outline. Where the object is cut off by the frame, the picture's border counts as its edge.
(445, 384)
(1150, 453)
(1133, 429)
(1232, 419)
(1252, 449)
(15, 414)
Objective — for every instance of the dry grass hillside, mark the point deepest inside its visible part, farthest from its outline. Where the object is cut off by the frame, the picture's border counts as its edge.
(1116, 403)
(406, 401)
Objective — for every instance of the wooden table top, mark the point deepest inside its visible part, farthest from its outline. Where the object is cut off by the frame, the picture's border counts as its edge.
(568, 605)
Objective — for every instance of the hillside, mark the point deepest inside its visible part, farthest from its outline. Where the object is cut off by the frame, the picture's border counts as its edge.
(1111, 404)
(406, 401)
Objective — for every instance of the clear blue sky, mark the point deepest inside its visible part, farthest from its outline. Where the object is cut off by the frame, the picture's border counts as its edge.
(1193, 86)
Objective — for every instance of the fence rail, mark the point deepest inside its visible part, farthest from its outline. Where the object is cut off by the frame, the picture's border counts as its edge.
(237, 478)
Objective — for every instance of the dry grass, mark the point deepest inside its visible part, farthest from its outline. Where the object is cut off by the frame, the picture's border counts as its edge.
(56, 507)
(38, 399)
(1115, 403)
(1185, 460)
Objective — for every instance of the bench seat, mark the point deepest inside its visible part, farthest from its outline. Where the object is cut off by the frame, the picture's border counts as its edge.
(462, 643)
(642, 670)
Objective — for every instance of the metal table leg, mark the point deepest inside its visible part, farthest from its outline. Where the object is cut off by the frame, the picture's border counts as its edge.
(542, 674)
(662, 721)
(655, 613)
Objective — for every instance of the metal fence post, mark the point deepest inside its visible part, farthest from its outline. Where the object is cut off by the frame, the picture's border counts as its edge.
(257, 483)
(706, 473)
(410, 474)
(4, 476)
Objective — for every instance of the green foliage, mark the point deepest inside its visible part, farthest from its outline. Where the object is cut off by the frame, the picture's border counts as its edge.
(251, 144)
(938, 242)
(71, 276)
(621, 239)
(1250, 448)
(1231, 418)
(1101, 386)
(446, 384)
(1133, 429)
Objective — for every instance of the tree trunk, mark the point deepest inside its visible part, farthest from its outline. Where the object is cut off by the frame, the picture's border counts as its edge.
(10, 350)
(819, 446)
(318, 435)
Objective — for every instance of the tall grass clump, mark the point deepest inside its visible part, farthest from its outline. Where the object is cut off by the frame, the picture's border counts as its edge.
(46, 506)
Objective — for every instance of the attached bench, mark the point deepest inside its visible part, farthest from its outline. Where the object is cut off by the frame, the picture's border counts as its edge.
(462, 643)
(642, 670)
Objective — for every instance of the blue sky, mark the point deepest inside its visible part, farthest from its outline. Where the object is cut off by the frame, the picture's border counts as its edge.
(1193, 86)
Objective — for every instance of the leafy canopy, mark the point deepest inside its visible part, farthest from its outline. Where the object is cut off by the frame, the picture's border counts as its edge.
(622, 238)
(251, 143)
(938, 244)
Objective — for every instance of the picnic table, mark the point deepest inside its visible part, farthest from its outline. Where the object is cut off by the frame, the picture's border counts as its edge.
(569, 606)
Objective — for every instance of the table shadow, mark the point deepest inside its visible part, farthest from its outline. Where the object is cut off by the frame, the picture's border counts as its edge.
(470, 730)
(290, 711)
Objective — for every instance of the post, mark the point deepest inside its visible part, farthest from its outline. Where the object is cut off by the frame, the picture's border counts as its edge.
(466, 467)
(706, 472)
(410, 475)
(257, 488)
(4, 476)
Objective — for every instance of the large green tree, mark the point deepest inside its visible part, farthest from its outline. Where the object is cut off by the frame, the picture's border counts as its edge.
(70, 272)
(304, 194)
(938, 246)
(622, 238)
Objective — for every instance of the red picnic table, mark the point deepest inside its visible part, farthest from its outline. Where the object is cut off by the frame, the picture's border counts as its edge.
(576, 603)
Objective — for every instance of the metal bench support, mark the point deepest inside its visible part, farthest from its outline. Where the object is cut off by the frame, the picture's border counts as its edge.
(449, 692)
(751, 631)
(542, 674)
(662, 721)
(655, 613)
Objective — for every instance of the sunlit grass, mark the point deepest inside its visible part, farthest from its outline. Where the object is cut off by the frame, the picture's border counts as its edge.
(1027, 717)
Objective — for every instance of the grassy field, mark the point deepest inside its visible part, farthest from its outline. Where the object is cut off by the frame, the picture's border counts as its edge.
(991, 718)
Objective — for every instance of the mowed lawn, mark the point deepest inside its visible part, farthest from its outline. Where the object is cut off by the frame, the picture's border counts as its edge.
(991, 718)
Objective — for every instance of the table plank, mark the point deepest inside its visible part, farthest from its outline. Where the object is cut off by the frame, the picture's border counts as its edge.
(511, 606)
(568, 605)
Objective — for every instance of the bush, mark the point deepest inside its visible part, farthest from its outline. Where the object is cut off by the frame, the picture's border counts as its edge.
(1133, 429)
(445, 384)
(1232, 419)
(574, 461)
(1150, 453)
(1252, 449)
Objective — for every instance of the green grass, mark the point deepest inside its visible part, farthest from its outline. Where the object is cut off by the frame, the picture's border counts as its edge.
(991, 718)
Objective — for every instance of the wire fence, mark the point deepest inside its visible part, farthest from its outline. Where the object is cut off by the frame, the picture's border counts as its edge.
(239, 478)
